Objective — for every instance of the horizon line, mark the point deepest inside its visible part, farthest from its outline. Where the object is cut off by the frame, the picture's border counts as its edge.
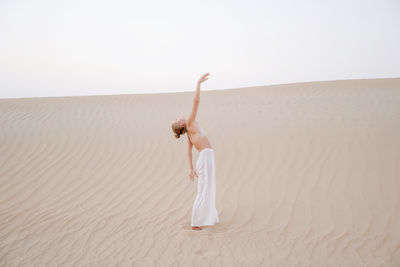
(212, 90)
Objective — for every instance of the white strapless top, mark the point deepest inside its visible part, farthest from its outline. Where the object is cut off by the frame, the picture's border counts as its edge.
(202, 132)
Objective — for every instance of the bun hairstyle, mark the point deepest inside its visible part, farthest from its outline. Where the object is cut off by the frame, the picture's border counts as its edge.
(178, 130)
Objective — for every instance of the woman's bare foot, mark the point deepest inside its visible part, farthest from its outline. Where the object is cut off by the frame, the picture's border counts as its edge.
(196, 228)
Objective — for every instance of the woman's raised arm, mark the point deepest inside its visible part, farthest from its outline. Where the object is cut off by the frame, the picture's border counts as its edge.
(196, 100)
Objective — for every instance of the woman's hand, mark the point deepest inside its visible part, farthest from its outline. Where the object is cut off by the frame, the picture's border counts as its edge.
(192, 174)
(203, 78)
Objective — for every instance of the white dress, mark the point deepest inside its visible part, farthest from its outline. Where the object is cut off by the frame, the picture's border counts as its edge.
(204, 210)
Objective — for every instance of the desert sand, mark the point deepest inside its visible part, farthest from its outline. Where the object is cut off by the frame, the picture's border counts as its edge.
(308, 174)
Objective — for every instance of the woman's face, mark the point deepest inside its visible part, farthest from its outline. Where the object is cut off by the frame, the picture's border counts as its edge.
(181, 120)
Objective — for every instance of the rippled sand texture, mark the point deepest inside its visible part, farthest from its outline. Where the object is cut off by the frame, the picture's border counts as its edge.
(307, 175)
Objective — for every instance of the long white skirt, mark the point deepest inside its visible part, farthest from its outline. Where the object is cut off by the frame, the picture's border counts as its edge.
(204, 211)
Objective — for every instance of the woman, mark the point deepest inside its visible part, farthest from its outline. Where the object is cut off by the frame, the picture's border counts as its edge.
(204, 211)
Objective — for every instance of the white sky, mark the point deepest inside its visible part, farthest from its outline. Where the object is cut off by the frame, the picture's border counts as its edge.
(94, 47)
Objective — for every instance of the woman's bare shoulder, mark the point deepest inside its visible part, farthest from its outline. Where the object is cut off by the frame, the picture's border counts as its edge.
(192, 128)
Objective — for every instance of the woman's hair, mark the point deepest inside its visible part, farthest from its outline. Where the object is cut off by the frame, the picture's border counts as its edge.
(178, 130)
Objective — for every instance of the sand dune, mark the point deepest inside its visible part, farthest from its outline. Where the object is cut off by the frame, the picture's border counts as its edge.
(308, 174)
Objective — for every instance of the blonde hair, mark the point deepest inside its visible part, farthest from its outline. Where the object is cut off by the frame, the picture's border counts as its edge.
(178, 129)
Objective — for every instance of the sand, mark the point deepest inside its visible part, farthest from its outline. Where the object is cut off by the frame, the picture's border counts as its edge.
(308, 174)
